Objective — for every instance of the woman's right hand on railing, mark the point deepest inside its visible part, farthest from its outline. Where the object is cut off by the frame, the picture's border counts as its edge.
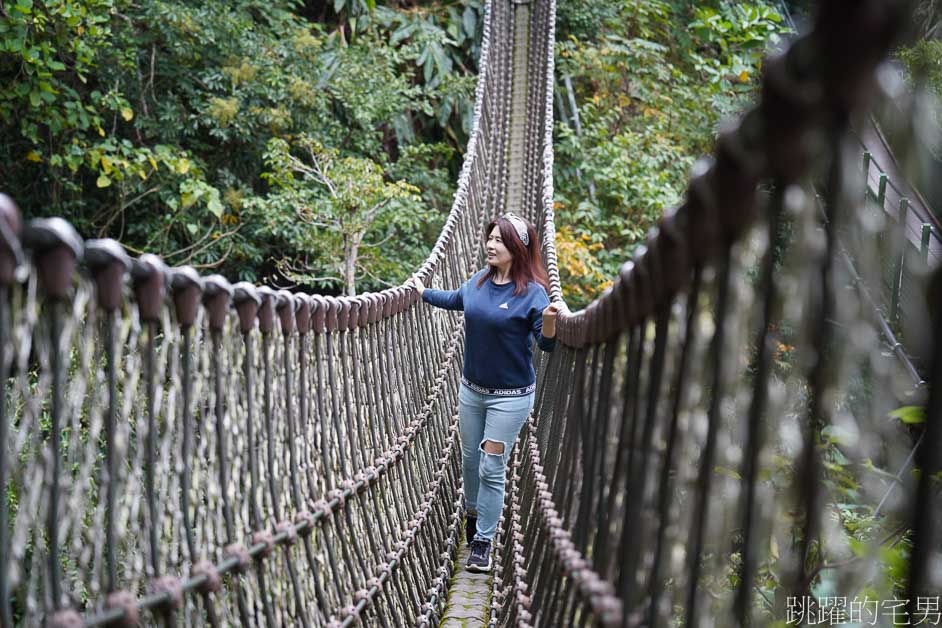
(416, 283)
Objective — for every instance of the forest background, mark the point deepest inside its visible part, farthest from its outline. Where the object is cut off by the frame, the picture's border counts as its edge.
(315, 144)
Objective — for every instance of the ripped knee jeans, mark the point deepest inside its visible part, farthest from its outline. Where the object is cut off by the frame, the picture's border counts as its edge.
(488, 423)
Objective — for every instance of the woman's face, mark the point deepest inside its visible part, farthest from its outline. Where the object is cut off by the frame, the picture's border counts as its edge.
(497, 253)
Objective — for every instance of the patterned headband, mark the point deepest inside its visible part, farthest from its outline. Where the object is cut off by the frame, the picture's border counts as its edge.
(519, 226)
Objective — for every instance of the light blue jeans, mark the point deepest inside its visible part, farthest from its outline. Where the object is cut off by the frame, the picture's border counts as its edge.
(487, 418)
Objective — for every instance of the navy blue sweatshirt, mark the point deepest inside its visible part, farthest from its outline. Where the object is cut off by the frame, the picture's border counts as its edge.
(498, 350)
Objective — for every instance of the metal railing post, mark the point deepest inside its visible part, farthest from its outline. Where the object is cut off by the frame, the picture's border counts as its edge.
(900, 260)
(924, 247)
(881, 191)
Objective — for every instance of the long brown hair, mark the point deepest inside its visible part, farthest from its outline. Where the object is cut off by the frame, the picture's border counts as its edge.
(526, 263)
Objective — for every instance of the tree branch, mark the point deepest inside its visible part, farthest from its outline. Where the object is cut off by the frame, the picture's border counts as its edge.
(120, 210)
(378, 280)
(371, 212)
(203, 248)
(367, 245)
(320, 174)
(217, 262)
(899, 533)
(284, 264)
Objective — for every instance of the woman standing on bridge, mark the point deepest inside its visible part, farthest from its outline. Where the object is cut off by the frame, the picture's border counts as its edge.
(504, 305)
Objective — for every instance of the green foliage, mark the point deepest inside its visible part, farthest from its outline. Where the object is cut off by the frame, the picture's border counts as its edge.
(581, 20)
(910, 415)
(923, 60)
(737, 35)
(151, 122)
(926, 18)
(582, 275)
(53, 47)
(863, 526)
(652, 85)
(342, 209)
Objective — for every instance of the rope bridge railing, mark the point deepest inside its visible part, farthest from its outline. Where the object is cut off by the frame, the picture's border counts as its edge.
(208, 453)
(179, 450)
(690, 437)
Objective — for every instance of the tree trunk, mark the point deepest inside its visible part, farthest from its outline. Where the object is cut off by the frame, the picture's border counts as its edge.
(350, 265)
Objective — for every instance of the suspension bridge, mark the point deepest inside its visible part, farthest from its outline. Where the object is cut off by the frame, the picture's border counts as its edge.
(179, 450)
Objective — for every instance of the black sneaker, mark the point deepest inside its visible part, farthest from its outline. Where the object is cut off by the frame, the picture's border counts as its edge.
(470, 527)
(480, 559)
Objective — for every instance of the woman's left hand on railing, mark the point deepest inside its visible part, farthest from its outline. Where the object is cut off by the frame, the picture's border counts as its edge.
(549, 317)
(416, 283)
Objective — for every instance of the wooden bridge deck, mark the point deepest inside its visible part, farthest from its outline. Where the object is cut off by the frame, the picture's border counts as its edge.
(469, 596)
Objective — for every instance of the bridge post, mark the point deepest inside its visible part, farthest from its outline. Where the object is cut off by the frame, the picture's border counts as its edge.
(516, 157)
(56, 249)
(109, 263)
(150, 277)
(187, 288)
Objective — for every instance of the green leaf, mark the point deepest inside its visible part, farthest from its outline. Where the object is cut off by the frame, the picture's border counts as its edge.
(839, 457)
(192, 228)
(103, 181)
(215, 206)
(470, 21)
(401, 33)
(441, 59)
(911, 415)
